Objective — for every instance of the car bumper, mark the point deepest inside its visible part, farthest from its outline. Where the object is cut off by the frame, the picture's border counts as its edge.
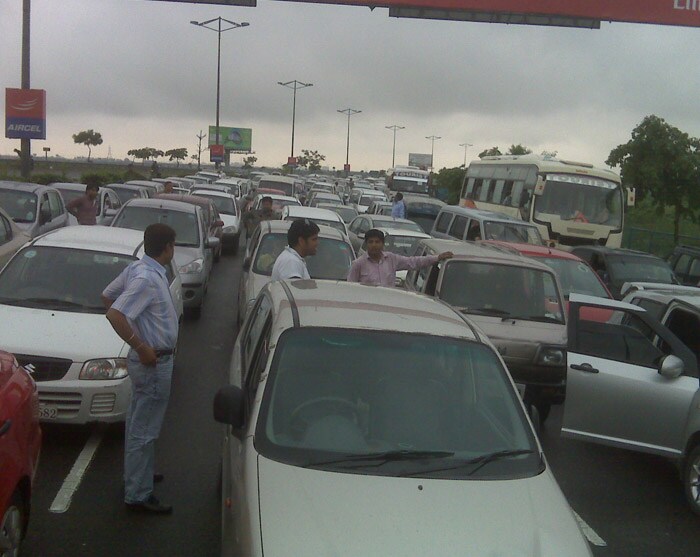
(81, 402)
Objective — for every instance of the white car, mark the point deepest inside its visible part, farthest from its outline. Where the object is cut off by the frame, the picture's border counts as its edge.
(279, 202)
(371, 421)
(332, 261)
(227, 206)
(363, 200)
(53, 320)
(322, 217)
(108, 202)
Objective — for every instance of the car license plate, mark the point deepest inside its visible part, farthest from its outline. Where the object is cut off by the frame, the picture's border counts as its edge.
(47, 412)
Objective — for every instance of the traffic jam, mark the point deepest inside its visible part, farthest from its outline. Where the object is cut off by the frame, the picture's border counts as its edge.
(370, 370)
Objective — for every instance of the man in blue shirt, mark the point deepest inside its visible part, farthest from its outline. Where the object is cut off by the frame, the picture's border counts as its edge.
(398, 209)
(142, 312)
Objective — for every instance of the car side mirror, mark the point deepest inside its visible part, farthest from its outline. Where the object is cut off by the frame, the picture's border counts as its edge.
(213, 242)
(228, 406)
(671, 367)
(44, 215)
(246, 264)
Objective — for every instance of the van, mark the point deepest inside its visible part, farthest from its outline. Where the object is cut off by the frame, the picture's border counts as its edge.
(461, 223)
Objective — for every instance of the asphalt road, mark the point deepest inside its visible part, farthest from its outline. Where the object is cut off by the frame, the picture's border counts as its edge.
(632, 503)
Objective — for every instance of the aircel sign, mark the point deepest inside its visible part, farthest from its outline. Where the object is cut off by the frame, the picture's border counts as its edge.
(25, 113)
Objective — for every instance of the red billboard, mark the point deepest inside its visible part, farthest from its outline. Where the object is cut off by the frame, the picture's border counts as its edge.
(216, 153)
(25, 113)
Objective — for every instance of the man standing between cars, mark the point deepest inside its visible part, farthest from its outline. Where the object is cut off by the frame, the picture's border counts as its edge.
(168, 187)
(252, 218)
(378, 268)
(141, 311)
(302, 238)
(84, 208)
(398, 208)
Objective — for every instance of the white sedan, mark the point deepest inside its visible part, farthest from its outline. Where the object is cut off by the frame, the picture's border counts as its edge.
(53, 320)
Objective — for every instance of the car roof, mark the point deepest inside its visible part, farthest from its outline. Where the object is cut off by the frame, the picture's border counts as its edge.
(339, 304)
(686, 295)
(132, 187)
(484, 215)
(387, 218)
(482, 252)
(22, 186)
(213, 193)
(422, 198)
(277, 197)
(158, 203)
(312, 213)
(185, 198)
(403, 232)
(281, 227)
(605, 250)
(276, 178)
(533, 250)
(123, 241)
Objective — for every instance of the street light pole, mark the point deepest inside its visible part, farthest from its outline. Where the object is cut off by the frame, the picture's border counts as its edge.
(432, 139)
(294, 84)
(220, 21)
(25, 144)
(393, 150)
(465, 145)
(349, 112)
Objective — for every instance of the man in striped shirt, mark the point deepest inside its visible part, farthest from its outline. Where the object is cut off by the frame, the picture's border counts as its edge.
(142, 312)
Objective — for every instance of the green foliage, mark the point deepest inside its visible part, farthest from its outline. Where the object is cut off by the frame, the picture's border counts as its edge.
(492, 152)
(89, 138)
(179, 154)
(311, 160)
(49, 177)
(249, 161)
(145, 153)
(663, 164)
(519, 149)
(450, 179)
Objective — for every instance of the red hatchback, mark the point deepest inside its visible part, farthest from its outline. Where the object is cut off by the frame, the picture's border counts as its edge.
(20, 442)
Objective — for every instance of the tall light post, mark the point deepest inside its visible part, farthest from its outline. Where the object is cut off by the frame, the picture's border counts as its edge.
(220, 27)
(349, 112)
(465, 145)
(393, 151)
(294, 85)
(432, 139)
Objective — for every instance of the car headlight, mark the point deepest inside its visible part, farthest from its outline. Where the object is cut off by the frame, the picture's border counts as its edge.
(192, 267)
(230, 229)
(551, 356)
(107, 368)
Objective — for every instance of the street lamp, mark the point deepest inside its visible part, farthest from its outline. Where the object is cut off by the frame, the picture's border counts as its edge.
(465, 145)
(393, 151)
(432, 139)
(220, 27)
(349, 112)
(294, 85)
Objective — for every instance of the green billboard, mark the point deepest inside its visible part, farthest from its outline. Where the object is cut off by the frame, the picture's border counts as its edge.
(238, 140)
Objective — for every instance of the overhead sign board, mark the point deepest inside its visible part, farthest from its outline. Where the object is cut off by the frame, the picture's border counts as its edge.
(25, 113)
(420, 160)
(235, 140)
(568, 13)
(216, 153)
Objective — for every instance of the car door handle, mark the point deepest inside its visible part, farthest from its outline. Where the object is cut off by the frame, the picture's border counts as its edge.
(5, 427)
(588, 368)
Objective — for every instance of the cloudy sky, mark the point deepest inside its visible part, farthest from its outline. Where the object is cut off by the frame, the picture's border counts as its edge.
(139, 73)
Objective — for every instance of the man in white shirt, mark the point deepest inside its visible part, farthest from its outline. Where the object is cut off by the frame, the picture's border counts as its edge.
(302, 238)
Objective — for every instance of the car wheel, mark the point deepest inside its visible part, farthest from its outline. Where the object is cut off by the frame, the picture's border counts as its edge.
(12, 527)
(691, 479)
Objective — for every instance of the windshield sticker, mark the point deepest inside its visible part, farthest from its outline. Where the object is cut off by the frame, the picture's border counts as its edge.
(583, 180)
(29, 254)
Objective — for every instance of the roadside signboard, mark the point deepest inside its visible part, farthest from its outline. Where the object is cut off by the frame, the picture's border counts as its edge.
(216, 153)
(346, 168)
(235, 140)
(420, 160)
(25, 113)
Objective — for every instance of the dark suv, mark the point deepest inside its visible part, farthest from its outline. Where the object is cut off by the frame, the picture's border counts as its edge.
(618, 266)
(685, 262)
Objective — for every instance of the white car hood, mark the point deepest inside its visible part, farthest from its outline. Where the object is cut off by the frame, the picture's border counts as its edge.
(184, 255)
(58, 334)
(319, 513)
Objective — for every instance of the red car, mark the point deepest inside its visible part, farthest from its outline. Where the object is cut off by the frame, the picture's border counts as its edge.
(20, 442)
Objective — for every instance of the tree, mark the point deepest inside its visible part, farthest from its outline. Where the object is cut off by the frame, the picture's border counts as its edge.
(179, 154)
(549, 154)
(663, 163)
(519, 149)
(248, 162)
(145, 153)
(492, 152)
(310, 159)
(89, 138)
(448, 183)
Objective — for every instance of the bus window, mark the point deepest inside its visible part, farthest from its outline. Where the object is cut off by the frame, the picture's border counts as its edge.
(476, 191)
(468, 188)
(497, 196)
(486, 190)
(507, 197)
(516, 194)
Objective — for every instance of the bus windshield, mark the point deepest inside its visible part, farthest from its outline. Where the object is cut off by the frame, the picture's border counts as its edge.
(580, 199)
(408, 185)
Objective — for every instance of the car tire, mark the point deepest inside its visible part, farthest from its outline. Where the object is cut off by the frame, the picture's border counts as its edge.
(12, 525)
(691, 479)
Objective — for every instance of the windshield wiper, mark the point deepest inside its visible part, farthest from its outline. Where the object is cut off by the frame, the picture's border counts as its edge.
(485, 311)
(541, 318)
(480, 461)
(380, 458)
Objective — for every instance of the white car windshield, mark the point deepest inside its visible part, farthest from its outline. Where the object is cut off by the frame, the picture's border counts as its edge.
(403, 245)
(512, 232)
(20, 205)
(184, 223)
(389, 403)
(576, 277)
(60, 278)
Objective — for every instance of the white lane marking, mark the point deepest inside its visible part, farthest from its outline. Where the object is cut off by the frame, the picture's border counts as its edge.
(589, 532)
(63, 498)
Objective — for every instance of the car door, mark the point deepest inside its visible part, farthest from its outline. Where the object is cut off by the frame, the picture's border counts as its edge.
(11, 239)
(615, 393)
(110, 205)
(59, 215)
(46, 221)
(204, 235)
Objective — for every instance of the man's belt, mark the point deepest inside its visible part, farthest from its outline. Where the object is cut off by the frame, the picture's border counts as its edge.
(161, 353)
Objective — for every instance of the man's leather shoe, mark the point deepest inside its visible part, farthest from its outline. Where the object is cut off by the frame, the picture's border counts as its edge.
(150, 505)
(157, 478)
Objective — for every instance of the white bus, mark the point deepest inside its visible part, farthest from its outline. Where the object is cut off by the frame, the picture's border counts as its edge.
(571, 203)
(408, 179)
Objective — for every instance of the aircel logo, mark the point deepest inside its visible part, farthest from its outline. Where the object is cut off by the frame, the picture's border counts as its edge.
(25, 106)
(24, 128)
(691, 5)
